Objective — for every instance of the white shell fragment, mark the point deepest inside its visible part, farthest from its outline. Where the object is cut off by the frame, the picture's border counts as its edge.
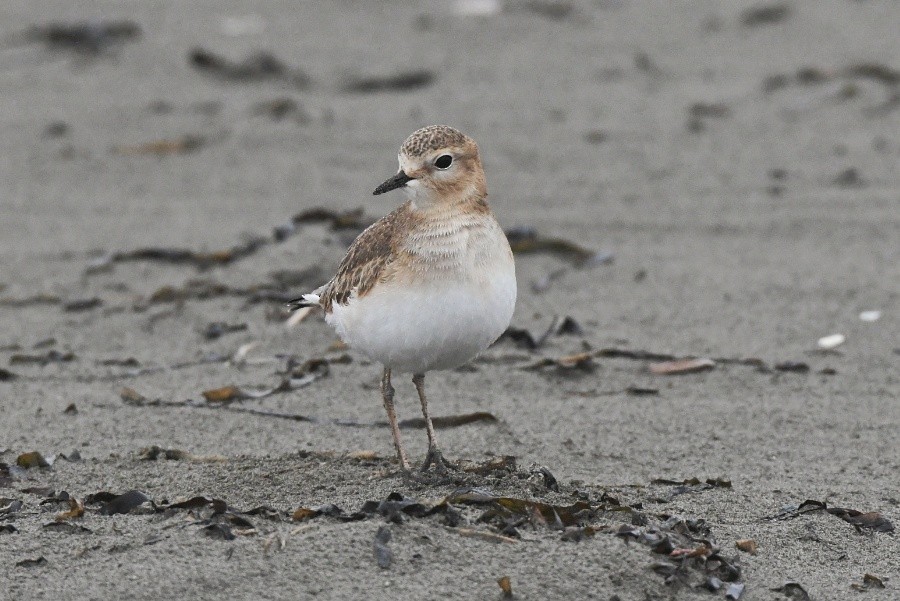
(870, 315)
(831, 342)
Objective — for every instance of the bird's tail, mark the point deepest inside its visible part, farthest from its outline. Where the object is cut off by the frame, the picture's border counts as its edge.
(307, 300)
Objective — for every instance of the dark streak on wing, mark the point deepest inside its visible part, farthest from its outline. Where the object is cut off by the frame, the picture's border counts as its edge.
(367, 260)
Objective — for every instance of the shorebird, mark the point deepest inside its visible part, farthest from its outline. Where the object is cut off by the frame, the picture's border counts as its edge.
(430, 285)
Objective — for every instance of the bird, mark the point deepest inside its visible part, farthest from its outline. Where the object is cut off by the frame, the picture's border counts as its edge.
(430, 285)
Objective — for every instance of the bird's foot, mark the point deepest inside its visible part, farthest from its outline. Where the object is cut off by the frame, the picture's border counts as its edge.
(435, 458)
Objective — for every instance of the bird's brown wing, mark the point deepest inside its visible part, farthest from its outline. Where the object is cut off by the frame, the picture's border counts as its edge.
(369, 258)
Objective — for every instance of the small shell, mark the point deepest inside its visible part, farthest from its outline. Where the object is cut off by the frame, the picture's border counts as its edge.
(831, 342)
(870, 315)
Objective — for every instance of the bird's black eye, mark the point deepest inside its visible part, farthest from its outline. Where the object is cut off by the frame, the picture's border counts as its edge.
(443, 161)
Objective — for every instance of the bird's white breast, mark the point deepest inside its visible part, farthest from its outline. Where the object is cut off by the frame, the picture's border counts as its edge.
(443, 310)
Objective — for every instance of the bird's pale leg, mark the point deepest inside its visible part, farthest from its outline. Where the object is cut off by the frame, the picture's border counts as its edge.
(387, 394)
(434, 456)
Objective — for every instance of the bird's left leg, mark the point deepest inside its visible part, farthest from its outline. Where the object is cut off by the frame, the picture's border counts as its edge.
(434, 456)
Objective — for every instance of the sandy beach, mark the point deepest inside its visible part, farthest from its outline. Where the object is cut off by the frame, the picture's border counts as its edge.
(697, 193)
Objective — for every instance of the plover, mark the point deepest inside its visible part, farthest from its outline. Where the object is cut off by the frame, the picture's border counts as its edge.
(430, 285)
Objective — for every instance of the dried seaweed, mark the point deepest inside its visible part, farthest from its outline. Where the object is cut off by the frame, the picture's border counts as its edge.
(260, 66)
(526, 240)
(30, 301)
(871, 520)
(84, 37)
(765, 14)
(616, 353)
(52, 356)
(383, 554)
(398, 82)
(124, 503)
(217, 329)
(449, 421)
(180, 145)
(9, 507)
(792, 366)
(66, 528)
(32, 563)
(793, 590)
(82, 304)
(201, 260)
(530, 341)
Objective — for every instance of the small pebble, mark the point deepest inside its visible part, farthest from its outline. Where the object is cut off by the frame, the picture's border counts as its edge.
(870, 315)
(831, 342)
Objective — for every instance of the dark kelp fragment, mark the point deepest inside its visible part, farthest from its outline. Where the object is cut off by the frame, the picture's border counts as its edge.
(352, 219)
(84, 37)
(7, 529)
(201, 260)
(641, 390)
(526, 240)
(792, 366)
(6, 375)
(217, 329)
(872, 520)
(66, 528)
(32, 563)
(218, 531)
(124, 503)
(52, 356)
(793, 590)
(383, 554)
(217, 505)
(765, 14)
(690, 556)
(505, 587)
(526, 339)
(155, 452)
(616, 353)
(450, 421)
(399, 82)
(260, 66)
(691, 485)
(9, 506)
(82, 304)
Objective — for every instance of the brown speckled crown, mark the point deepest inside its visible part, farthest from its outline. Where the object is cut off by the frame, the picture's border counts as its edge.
(432, 138)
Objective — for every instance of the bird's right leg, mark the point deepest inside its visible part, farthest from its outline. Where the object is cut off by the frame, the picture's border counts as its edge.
(387, 395)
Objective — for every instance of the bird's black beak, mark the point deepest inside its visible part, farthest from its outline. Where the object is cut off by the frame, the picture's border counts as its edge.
(398, 181)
